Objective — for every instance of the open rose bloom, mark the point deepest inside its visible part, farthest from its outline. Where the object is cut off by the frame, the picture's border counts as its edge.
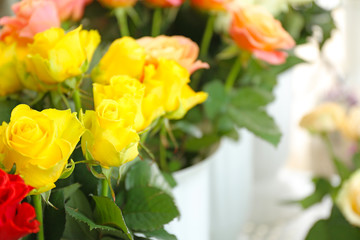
(254, 29)
(31, 17)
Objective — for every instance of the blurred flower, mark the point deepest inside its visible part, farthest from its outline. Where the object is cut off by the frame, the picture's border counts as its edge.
(209, 5)
(348, 199)
(9, 79)
(129, 93)
(165, 3)
(181, 49)
(31, 17)
(16, 219)
(278, 6)
(328, 117)
(255, 30)
(71, 9)
(351, 126)
(124, 57)
(107, 138)
(117, 3)
(56, 56)
(40, 143)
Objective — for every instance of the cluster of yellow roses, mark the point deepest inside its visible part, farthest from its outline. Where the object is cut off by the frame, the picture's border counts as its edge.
(132, 87)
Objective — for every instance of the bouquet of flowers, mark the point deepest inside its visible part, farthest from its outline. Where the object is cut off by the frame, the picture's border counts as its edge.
(89, 111)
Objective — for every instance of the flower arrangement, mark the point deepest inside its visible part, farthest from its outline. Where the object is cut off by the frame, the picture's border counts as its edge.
(90, 104)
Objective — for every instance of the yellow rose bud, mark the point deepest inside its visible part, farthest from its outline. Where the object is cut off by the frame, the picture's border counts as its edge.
(56, 56)
(327, 117)
(40, 143)
(9, 79)
(124, 57)
(128, 92)
(167, 90)
(348, 199)
(188, 99)
(107, 139)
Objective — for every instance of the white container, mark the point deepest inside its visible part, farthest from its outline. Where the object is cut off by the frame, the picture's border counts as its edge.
(352, 39)
(192, 198)
(231, 181)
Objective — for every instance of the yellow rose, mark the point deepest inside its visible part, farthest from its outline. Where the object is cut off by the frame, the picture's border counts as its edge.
(128, 92)
(348, 199)
(56, 56)
(188, 99)
(9, 79)
(124, 57)
(107, 138)
(327, 117)
(167, 90)
(40, 143)
(2, 145)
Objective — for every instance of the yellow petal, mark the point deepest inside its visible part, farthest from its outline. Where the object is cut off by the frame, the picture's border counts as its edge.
(68, 125)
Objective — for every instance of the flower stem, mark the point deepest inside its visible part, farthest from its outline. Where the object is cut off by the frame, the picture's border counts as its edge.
(121, 17)
(77, 100)
(234, 72)
(39, 215)
(104, 187)
(209, 30)
(162, 149)
(156, 24)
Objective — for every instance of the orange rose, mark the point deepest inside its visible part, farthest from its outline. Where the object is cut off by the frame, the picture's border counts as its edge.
(255, 30)
(117, 3)
(165, 3)
(31, 17)
(178, 48)
(71, 9)
(210, 4)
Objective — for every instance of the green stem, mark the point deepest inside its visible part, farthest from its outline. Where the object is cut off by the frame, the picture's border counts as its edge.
(77, 100)
(156, 24)
(162, 149)
(39, 215)
(121, 17)
(209, 30)
(234, 72)
(104, 187)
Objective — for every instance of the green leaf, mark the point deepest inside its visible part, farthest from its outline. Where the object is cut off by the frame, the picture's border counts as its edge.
(334, 228)
(108, 213)
(6, 106)
(258, 122)
(160, 234)
(74, 228)
(217, 99)
(70, 190)
(322, 188)
(249, 97)
(146, 174)
(148, 209)
(195, 144)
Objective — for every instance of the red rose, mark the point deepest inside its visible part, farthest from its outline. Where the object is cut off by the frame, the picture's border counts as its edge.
(16, 219)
